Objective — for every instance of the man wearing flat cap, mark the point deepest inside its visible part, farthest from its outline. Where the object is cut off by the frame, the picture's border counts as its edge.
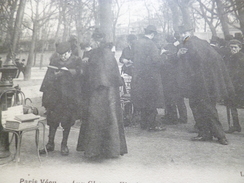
(208, 81)
(61, 89)
(146, 84)
(235, 66)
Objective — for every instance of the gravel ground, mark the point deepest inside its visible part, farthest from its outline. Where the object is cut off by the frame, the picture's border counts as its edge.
(167, 156)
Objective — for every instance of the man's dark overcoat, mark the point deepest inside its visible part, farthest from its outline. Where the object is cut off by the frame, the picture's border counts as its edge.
(62, 91)
(103, 132)
(235, 66)
(206, 75)
(146, 84)
(208, 81)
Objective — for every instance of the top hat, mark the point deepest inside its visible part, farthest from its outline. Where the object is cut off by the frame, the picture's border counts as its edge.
(150, 29)
(183, 29)
(63, 47)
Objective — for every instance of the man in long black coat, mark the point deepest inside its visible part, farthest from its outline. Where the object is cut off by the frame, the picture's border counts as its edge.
(146, 84)
(235, 66)
(208, 81)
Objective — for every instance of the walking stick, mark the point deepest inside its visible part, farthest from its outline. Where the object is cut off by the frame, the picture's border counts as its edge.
(228, 114)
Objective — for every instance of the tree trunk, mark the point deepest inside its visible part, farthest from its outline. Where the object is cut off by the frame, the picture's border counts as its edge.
(65, 22)
(223, 18)
(16, 32)
(175, 14)
(186, 18)
(27, 73)
(239, 5)
(105, 15)
(10, 25)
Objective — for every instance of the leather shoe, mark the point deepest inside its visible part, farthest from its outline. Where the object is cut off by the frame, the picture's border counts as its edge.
(64, 150)
(200, 138)
(49, 147)
(223, 141)
(233, 129)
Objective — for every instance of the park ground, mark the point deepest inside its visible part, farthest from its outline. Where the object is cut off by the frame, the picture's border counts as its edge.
(153, 157)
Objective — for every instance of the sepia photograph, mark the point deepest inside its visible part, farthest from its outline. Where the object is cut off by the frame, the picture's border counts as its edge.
(121, 91)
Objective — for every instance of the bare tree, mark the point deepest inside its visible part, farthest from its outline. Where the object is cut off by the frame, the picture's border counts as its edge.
(17, 28)
(38, 20)
(207, 11)
(222, 17)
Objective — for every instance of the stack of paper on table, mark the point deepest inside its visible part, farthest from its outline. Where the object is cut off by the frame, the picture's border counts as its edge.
(15, 119)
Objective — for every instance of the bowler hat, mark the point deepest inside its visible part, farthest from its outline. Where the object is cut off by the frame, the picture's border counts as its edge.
(183, 29)
(63, 47)
(150, 29)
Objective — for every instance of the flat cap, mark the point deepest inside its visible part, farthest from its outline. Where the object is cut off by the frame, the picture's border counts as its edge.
(235, 41)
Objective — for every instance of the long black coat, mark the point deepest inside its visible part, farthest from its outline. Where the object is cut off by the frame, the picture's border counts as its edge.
(146, 84)
(102, 134)
(235, 66)
(205, 72)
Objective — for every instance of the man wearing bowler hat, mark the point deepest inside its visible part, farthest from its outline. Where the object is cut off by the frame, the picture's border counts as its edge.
(146, 84)
(208, 81)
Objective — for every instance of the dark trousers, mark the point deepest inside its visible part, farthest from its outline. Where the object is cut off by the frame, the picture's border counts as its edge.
(148, 118)
(234, 113)
(171, 107)
(206, 117)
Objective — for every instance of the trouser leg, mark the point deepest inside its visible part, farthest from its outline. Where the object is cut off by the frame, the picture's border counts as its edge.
(51, 136)
(182, 110)
(234, 114)
(171, 114)
(151, 117)
(143, 121)
(65, 136)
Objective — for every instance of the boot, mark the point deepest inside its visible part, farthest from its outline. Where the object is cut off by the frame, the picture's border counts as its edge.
(64, 147)
(50, 145)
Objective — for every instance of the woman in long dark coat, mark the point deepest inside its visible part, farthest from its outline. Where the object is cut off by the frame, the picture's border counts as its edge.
(102, 134)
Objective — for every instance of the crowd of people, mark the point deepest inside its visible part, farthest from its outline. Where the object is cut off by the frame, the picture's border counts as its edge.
(87, 88)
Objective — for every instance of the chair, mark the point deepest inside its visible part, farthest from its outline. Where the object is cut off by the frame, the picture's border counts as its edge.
(14, 97)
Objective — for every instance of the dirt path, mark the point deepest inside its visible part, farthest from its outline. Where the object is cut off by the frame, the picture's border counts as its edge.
(168, 156)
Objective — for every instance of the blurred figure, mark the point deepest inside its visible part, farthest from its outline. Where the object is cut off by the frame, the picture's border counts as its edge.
(102, 135)
(174, 99)
(235, 66)
(21, 66)
(74, 45)
(127, 55)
